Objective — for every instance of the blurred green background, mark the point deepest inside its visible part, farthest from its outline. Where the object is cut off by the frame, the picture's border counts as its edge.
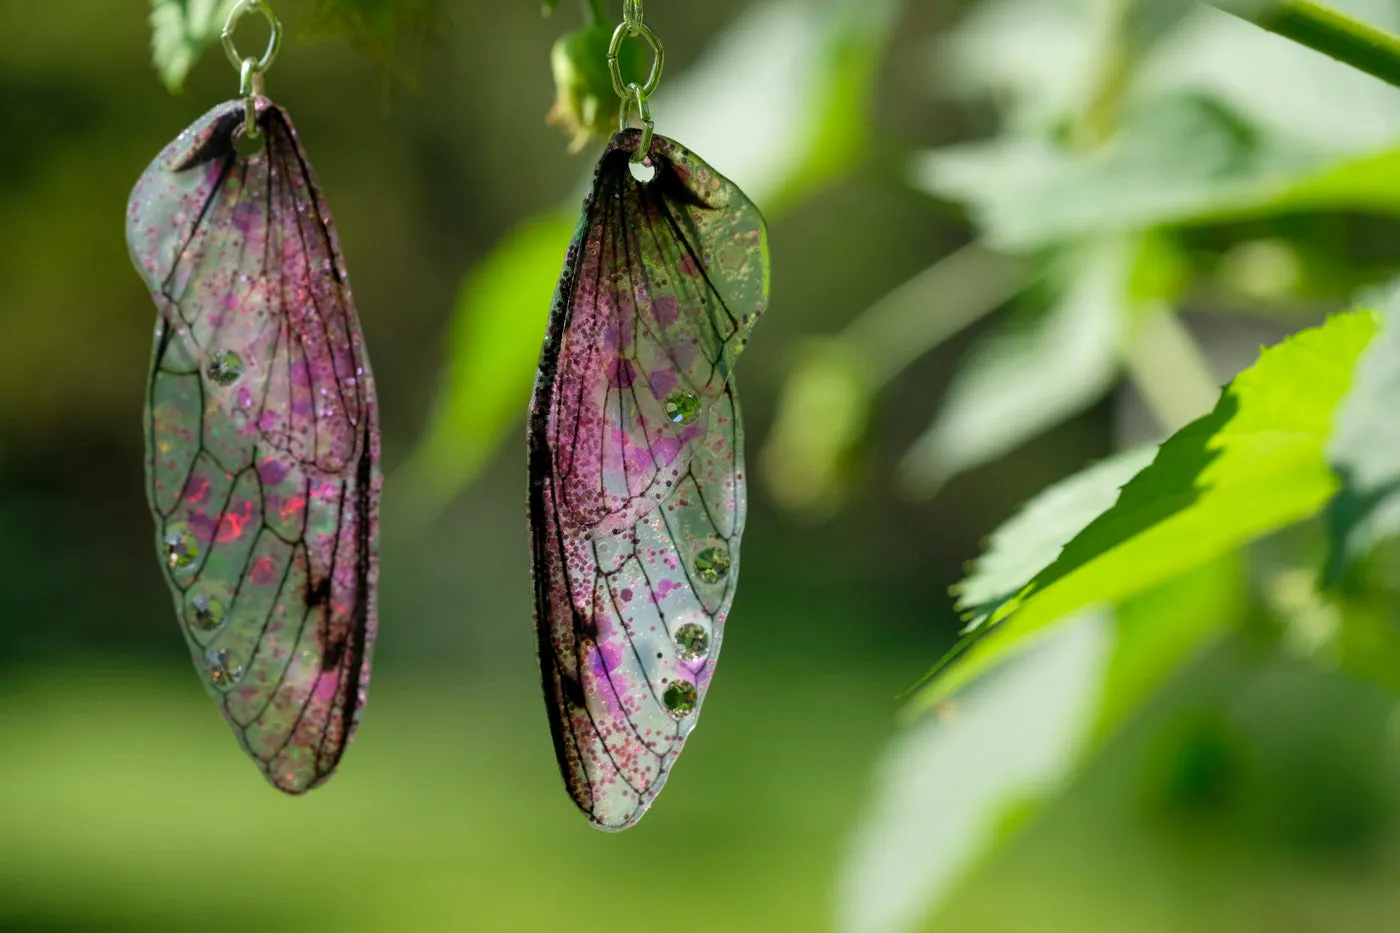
(1258, 792)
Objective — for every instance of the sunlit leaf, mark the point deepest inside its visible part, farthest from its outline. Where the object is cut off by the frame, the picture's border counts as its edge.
(951, 781)
(1031, 539)
(1254, 465)
(950, 811)
(180, 31)
(1020, 382)
(1365, 452)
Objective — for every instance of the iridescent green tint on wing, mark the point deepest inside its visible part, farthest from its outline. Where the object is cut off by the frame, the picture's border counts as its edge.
(637, 494)
(262, 439)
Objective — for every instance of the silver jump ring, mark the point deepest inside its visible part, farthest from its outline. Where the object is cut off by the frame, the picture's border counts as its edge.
(249, 87)
(638, 94)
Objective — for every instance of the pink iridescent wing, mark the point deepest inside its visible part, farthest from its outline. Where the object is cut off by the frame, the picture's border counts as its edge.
(262, 439)
(636, 468)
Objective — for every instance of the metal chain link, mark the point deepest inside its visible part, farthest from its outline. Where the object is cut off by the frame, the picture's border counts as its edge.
(632, 26)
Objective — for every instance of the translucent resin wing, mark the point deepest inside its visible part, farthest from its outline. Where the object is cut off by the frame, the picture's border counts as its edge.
(636, 468)
(262, 439)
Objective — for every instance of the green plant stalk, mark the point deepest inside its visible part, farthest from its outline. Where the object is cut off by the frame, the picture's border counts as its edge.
(1325, 30)
(898, 330)
(594, 12)
(1166, 365)
(1098, 120)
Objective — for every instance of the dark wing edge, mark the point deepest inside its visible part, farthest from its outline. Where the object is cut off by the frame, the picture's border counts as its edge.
(562, 686)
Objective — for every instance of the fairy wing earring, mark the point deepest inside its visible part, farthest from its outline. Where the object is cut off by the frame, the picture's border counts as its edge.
(637, 494)
(262, 440)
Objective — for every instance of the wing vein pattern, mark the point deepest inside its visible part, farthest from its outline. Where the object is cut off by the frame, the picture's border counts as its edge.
(262, 439)
(637, 494)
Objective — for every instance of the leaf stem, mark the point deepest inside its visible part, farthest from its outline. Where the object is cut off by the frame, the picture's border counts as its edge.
(1168, 368)
(1095, 124)
(1325, 30)
(940, 301)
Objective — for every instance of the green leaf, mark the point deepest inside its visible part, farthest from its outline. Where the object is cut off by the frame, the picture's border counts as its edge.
(941, 806)
(1182, 159)
(180, 31)
(1031, 540)
(1365, 453)
(1225, 122)
(946, 782)
(1254, 465)
(1027, 193)
(1020, 382)
(957, 787)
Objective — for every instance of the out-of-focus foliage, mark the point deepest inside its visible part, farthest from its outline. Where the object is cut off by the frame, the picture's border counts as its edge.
(1164, 142)
(1024, 379)
(1098, 209)
(585, 104)
(180, 29)
(491, 352)
(1161, 551)
(388, 30)
(1119, 118)
(825, 405)
(448, 821)
(1365, 453)
(1254, 465)
(948, 780)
